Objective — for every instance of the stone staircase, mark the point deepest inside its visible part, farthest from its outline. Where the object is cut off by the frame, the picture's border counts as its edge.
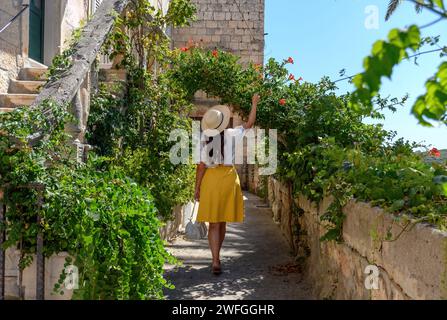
(24, 90)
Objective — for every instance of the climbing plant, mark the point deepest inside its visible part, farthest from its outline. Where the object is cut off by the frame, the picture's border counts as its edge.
(109, 224)
(102, 213)
(132, 126)
(325, 147)
(216, 72)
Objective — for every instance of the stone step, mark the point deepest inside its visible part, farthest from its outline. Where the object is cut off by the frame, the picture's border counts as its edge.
(113, 85)
(25, 86)
(31, 74)
(13, 100)
(4, 110)
(110, 75)
(116, 88)
(106, 75)
(30, 63)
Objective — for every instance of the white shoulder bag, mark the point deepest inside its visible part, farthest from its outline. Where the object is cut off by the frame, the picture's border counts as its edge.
(195, 230)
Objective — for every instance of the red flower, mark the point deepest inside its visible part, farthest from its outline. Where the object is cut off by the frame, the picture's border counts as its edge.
(215, 53)
(300, 79)
(290, 60)
(435, 153)
(282, 102)
(291, 77)
(184, 49)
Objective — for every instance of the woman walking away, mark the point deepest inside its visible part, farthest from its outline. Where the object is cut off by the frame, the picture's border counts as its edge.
(218, 187)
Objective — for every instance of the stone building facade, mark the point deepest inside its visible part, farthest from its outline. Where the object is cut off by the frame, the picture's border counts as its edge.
(58, 20)
(10, 44)
(235, 26)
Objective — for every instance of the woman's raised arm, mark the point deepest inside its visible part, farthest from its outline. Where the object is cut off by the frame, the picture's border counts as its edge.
(252, 117)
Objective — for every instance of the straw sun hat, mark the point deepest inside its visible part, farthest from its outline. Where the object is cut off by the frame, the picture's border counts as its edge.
(217, 119)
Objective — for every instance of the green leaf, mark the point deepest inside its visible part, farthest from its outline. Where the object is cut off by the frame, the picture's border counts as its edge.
(331, 235)
(440, 4)
(414, 38)
(397, 205)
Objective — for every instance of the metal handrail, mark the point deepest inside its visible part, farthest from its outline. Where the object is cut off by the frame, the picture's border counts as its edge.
(25, 6)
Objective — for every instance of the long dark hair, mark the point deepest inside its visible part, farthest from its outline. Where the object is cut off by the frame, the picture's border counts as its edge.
(222, 141)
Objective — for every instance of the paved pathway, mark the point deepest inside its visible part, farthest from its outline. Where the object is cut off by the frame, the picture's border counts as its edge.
(256, 261)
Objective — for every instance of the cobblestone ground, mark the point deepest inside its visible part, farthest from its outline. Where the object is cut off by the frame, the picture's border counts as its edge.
(256, 263)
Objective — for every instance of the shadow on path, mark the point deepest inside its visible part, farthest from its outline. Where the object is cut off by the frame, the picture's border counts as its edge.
(253, 259)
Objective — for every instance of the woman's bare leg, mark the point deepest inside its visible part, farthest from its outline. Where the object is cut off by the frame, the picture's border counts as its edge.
(223, 230)
(214, 240)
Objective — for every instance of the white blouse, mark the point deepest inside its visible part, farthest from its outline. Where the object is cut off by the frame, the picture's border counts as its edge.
(233, 148)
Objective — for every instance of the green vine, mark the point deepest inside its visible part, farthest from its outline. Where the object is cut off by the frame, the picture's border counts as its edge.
(103, 213)
(325, 148)
(133, 129)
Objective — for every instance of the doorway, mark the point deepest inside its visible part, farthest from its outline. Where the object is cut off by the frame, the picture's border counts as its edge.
(36, 29)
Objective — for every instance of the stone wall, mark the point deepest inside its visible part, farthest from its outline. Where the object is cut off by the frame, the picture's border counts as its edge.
(256, 183)
(235, 26)
(53, 268)
(69, 16)
(411, 266)
(61, 18)
(180, 218)
(10, 44)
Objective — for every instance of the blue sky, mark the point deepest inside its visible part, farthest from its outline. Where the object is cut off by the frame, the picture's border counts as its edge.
(325, 36)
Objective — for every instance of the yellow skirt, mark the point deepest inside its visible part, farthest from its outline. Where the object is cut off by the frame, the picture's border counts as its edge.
(221, 196)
